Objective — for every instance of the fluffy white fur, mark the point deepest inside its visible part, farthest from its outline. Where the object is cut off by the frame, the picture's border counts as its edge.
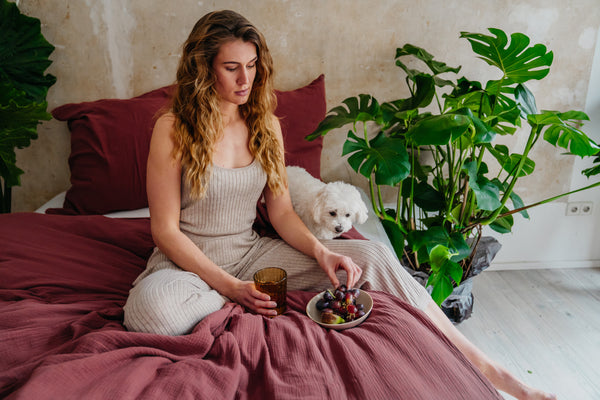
(327, 209)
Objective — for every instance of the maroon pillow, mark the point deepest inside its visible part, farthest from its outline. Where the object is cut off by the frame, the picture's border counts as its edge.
(110, 140)
(300, 111)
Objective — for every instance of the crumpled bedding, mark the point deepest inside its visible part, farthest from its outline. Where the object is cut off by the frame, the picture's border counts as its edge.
(63, 283)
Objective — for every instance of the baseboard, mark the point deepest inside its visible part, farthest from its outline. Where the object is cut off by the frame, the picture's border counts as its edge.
(503, 266)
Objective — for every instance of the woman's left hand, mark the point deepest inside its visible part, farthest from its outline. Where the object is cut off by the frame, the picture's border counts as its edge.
(246, 294)
(332, 262)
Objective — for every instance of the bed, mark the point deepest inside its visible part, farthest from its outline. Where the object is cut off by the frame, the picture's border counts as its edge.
(66, 270)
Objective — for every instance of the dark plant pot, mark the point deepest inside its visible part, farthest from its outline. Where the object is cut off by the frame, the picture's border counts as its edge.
(459, 305)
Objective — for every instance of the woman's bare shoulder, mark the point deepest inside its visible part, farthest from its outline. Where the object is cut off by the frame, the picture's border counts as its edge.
(165, 125)
(167, 118)
(163, 132)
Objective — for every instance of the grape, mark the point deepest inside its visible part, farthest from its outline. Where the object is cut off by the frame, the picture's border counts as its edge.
(351, 312)
(336, 305)
(322, 303)
(340, 305)
(349, 298)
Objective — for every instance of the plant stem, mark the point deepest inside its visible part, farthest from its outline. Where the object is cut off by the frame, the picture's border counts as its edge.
(437, 99)
(474, 248)
(380, 212)
(372, 190)
(399, 202)
(410, 209)
(454, 168)
(548, 200)
(381, 205)
(451, 177)
(466, 194)
(466, 217)
(535, 130)
(412, 266)
(530, 141)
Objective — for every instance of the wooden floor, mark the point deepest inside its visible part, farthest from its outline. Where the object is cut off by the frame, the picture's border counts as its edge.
(543, 325)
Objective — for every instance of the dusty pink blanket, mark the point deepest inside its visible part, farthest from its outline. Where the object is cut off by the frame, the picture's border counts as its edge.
(64, 280)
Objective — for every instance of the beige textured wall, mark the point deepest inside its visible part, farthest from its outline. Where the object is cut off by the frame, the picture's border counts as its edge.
(123, 48)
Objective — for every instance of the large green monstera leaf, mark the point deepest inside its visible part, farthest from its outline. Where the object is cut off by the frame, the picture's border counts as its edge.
(386, 157)
(516, 60)
(23, 87)
(357, 109)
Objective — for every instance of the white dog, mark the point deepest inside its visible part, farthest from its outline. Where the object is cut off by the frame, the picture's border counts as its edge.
(327, 209)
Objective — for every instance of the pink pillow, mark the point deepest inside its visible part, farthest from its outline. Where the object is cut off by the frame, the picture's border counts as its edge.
(110, 140)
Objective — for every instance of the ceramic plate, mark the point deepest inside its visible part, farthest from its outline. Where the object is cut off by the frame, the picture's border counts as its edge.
(315, 315)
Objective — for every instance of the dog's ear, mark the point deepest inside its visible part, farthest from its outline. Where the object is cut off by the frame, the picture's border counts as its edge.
(362, 214)
(319, 208)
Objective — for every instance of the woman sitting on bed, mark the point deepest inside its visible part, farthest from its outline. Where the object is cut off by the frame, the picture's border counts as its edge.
(212, 156)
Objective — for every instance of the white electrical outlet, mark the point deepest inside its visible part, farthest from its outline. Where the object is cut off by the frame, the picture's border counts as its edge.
(573, 208)
(579, 208)
(586, 208)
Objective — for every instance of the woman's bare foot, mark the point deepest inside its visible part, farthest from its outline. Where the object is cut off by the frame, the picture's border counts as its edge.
(536, 394)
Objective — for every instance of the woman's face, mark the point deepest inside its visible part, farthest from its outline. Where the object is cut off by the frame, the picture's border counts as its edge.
(235, 69)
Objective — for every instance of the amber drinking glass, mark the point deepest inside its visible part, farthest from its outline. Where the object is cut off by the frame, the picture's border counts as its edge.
(273, 281)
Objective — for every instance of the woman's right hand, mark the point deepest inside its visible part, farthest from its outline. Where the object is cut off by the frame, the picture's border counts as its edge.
(331, 262)
(246, 294)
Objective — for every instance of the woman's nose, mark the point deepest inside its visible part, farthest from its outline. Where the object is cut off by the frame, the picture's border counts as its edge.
(244, 77)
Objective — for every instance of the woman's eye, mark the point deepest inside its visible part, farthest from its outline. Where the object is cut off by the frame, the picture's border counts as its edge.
(231, 69)
(332, 213)
(251, 66)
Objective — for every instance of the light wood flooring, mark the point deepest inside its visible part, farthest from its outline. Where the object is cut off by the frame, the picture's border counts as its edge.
(543, 325)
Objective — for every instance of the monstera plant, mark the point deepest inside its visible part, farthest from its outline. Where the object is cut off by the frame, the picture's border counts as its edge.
(438, 160)
(23, 87)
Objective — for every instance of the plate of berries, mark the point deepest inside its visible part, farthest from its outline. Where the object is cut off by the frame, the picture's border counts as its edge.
(340, 308)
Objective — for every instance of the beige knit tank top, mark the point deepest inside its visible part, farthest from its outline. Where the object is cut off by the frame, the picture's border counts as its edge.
(220, 224)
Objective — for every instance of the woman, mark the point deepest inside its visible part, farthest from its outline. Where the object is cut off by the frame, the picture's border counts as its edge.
(211, 157)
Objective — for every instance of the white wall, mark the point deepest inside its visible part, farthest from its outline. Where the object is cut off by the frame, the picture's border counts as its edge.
(121, 48)
(550, 238)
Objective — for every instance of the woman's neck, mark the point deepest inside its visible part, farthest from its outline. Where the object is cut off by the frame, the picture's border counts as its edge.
(230, 113)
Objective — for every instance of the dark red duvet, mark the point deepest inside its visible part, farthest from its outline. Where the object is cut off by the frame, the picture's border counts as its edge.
(64, 280)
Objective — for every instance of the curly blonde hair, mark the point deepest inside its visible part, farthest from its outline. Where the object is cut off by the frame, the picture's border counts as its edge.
(198, 120)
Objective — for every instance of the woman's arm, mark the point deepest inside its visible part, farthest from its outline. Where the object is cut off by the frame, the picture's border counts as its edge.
(164, 201)
(291, 229)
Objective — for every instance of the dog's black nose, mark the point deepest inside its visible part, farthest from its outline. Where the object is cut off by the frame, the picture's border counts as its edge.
(339, 229)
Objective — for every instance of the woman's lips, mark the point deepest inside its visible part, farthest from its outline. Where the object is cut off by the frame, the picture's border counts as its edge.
(242, 92)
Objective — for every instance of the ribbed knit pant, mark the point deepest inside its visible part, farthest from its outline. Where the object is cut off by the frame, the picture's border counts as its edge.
(171, 301)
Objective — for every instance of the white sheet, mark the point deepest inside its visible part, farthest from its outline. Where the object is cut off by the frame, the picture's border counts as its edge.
(58, 200)
(372, 229)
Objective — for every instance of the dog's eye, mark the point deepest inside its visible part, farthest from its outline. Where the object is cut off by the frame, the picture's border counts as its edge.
(347, 215)
(332, 213)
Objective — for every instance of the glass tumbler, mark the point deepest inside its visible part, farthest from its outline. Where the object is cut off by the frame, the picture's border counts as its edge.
(273, 281)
